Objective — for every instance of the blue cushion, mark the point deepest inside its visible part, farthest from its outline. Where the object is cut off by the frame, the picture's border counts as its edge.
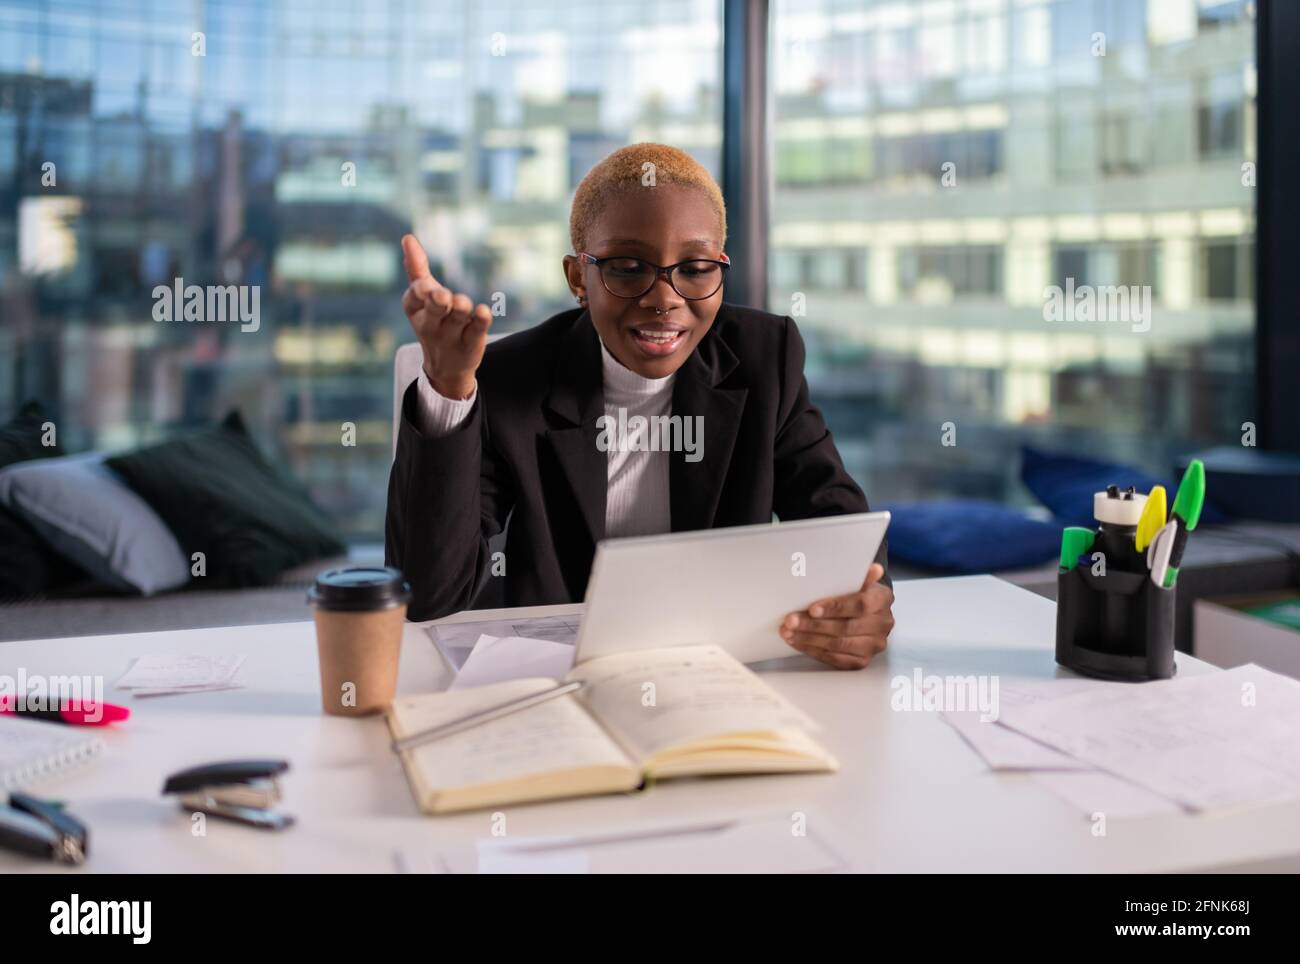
(83, 511)
(966, 535)
(1066, 483)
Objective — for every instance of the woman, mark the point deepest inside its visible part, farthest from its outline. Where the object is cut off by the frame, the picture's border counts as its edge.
(522, 430)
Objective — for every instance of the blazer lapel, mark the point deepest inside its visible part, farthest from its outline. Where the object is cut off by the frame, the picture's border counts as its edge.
(695, 486)
(577, 400)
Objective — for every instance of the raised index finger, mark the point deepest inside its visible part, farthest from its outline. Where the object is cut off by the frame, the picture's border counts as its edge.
(414, 258)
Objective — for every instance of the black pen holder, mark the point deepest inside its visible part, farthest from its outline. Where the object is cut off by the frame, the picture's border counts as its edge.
(1119, 626)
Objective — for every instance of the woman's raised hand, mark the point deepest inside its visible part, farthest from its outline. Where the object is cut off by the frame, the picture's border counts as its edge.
(451, 329)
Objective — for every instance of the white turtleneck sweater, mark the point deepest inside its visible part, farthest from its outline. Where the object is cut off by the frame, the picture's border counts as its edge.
(636, 503)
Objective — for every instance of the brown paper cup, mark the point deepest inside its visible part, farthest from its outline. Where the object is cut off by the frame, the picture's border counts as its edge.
(360, 613)
(358, 654)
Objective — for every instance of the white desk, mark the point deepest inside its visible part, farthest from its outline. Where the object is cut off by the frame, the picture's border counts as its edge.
(911, 795)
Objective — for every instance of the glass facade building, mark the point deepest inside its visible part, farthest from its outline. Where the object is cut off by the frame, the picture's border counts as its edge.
(936, 165)
(940, 167)
(288, 146)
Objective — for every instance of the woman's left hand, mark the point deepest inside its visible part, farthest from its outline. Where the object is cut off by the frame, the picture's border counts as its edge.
(845, 631)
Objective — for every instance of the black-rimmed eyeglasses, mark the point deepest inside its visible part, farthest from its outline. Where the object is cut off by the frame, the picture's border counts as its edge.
(694, 280)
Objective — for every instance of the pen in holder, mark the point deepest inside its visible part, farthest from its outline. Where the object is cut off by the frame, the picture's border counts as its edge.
(1114, 620)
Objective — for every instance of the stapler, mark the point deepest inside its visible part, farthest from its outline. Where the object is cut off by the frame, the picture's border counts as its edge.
(42, 828)
(241, 790)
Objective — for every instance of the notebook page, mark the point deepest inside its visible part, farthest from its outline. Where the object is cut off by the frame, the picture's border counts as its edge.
(654, 699)
(30, 750)
(555, 735)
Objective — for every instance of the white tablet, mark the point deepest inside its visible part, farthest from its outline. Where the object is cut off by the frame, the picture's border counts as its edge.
(729, 587)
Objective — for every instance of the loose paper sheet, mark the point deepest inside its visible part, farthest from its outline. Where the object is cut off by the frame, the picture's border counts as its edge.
(1224, 739)
(1003, 748)
(1094, 792)
(456, 640)
(166, 673)
(499, 658)
(761, 843)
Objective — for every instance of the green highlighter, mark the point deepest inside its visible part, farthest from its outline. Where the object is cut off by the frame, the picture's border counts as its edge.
(1187, 510)
(1075, 541)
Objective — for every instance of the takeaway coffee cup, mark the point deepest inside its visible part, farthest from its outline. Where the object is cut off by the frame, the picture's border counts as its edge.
(359, 617)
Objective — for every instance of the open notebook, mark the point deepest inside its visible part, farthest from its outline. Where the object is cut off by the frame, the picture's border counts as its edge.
(682, 711)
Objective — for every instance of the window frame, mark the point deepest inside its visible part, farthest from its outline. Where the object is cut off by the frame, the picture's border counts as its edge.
(1277, 228)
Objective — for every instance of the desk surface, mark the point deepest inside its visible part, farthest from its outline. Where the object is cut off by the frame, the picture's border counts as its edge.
(911, 795)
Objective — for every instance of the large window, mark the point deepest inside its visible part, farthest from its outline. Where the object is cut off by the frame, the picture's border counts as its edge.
(948, 175)
(951, 181)
(286, 146)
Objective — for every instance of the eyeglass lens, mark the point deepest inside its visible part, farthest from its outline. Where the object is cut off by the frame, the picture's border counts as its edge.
(632, 277)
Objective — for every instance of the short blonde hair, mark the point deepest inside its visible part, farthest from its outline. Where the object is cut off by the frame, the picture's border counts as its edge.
(627, 166)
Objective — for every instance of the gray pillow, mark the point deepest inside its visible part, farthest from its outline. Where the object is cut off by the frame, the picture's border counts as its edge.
(84, 511)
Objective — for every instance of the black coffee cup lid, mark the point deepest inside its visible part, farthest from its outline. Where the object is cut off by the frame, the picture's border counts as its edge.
(360, 589)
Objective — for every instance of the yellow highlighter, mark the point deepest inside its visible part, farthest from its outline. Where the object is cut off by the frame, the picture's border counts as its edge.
(1152, 519)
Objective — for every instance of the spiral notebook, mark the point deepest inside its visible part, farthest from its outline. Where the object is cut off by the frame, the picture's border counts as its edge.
(31, 751)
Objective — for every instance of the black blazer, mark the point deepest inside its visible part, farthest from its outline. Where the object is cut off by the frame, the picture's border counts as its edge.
(527, 453)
